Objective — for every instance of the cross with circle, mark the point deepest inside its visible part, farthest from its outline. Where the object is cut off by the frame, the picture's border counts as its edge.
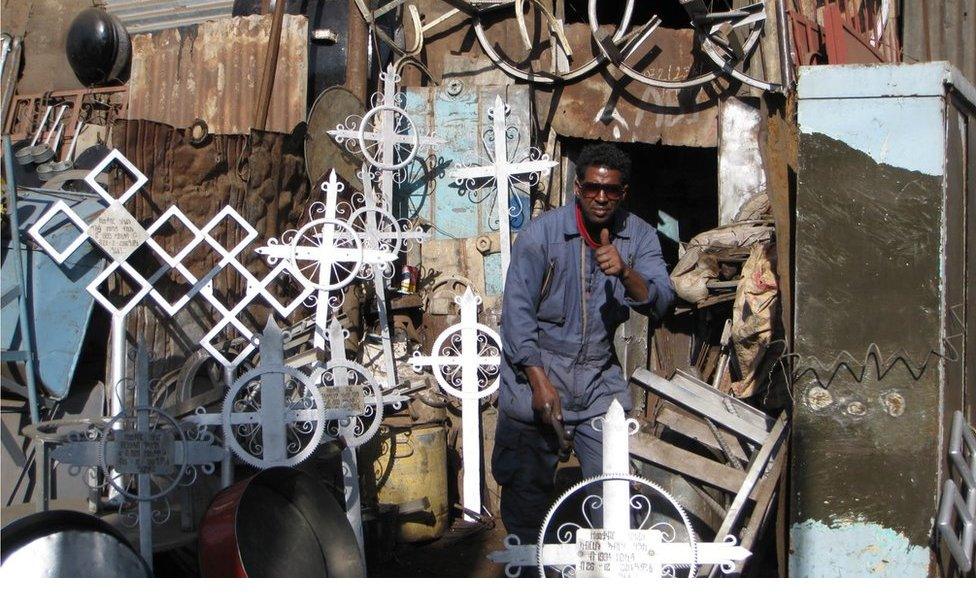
(472, 352)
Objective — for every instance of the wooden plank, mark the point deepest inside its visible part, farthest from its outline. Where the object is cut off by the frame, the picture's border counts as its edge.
(677, 419)
(743, 410)
(749, 486)
(648, 448)
(765, 494)
(705, 406)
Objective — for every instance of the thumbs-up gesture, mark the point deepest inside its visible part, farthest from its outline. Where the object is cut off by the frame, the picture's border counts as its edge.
(607, 256)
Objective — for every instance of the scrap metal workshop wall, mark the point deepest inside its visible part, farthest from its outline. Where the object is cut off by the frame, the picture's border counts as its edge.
(636, 112)
(880, 293)
(200, 181)
(212, 71)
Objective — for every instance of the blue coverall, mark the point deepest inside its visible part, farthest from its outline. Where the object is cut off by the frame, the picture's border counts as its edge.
(560, 312)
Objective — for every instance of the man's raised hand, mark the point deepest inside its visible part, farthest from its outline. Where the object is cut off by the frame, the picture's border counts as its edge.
(607, 256)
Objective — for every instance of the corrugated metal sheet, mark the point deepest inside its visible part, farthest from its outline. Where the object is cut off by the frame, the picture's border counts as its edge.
(941, 30)
(212, 71)
(141, 16)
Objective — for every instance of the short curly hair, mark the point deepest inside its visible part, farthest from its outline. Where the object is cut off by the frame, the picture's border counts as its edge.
(604, 155)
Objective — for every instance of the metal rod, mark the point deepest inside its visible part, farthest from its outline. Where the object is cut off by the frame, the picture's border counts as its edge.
(270, 67)
(27, 333)
(357, 59)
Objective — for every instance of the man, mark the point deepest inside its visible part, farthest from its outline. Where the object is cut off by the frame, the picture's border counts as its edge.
(575, 274)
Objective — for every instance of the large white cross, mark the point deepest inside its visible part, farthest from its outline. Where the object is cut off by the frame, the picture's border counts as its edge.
(325, 254)
(508, 168)
(612, 548)
(395, 136)
(470, 352)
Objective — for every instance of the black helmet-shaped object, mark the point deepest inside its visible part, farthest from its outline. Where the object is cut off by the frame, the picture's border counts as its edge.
(98, 48)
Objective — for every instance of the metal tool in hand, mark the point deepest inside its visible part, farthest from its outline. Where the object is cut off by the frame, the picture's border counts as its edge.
(550, 417)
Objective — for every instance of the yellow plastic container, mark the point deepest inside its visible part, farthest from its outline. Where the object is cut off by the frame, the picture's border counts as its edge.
(412, 464)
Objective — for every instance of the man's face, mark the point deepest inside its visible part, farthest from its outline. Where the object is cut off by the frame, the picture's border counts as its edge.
(600, 191)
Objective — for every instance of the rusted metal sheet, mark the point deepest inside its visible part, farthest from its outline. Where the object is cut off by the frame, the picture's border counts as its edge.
(941, 30)
(271, 196)
(212, 71)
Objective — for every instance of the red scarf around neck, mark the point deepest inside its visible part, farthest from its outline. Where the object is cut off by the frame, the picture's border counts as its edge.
(581, 225)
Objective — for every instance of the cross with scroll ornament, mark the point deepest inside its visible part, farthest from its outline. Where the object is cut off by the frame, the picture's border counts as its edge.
(389, 236)
(469, 353)
(506, 169)
(146, 451)
(615, 549)
(326, 253)
(397, 137)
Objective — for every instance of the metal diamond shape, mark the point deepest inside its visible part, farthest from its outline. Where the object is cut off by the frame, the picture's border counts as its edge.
(283, 309)
(144, 288)
(35, 231)
(115, 155)
(165, 218)
(117, 233)
(235, 216)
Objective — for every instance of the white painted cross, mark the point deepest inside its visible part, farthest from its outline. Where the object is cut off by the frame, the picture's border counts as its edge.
(394, 141)
(382, 232)
(325, 254)
(469, 354)
(508, 168)
(611, 547)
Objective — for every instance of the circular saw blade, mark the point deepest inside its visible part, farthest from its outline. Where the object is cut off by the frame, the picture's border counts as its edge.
(323, 153)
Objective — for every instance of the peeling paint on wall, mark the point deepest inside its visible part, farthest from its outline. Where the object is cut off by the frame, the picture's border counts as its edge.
(854, 549)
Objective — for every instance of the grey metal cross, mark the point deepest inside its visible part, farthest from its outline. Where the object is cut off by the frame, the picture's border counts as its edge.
(273, 415)
(612, 548)
(148, 445)
(508, 167)
(382, 232)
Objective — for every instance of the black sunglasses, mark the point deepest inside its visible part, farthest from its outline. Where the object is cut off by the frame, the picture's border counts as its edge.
(592, 190)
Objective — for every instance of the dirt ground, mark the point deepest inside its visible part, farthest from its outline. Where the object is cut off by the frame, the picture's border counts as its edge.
(460, 553)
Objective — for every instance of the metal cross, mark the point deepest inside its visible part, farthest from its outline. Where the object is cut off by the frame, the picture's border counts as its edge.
(149, 445)
(390, 144)
(507, 169)
(262, 424)
(325, 254)
(612, 548)
(469, 354)
(382, 231)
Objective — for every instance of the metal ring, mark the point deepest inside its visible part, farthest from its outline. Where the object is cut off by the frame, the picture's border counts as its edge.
(360, 136)
(436, 351)
(617, 477)
(357, 440)
(352, 273)
(574, 74)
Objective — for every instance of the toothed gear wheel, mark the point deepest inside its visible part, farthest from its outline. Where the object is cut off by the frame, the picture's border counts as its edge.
(178, 468)
(692, 539)
(308, 419)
